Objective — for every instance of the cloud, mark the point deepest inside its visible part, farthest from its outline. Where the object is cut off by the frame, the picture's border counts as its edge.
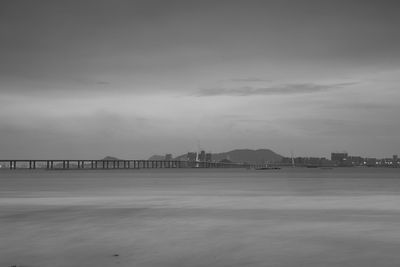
(364, 106)
(251, 79)
(288, 89)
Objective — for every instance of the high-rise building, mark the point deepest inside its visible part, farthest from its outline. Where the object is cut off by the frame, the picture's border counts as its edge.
(168, 157)
(208, 157)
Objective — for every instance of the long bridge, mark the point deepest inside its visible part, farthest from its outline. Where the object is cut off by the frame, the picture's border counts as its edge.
(113, 164)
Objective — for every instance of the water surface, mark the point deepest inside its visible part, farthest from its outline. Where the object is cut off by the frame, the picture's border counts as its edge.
(191, 217)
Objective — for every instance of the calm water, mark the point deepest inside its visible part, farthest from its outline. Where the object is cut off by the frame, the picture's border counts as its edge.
(289, 217)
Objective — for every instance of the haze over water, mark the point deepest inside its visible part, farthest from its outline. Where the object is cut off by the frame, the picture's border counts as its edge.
(289, 217)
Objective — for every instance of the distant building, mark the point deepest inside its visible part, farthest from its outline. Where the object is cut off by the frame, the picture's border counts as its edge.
(208, 157)
(371, 162)
(388, 162)
(355, 160)
(168, 157)
(339, 157)
(306, 161)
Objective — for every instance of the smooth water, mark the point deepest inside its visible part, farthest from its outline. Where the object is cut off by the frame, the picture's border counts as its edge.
(200, 217)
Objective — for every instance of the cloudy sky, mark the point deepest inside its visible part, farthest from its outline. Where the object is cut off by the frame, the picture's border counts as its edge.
(86, 79)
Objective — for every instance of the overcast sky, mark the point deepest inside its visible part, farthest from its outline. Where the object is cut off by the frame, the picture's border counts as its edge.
(86, 79)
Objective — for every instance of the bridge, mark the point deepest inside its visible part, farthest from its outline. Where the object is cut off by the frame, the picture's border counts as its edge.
(113, 164)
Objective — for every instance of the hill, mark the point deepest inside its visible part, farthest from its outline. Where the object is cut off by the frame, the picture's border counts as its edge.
(157, 157)
(110, 158)
(259, 156)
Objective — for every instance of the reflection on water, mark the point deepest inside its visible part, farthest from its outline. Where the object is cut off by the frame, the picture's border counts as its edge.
(291, 217)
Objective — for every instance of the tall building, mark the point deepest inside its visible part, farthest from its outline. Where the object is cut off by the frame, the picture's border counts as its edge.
(168, 157)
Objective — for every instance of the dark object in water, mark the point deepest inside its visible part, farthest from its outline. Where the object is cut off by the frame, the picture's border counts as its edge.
(116, 255)
(312, 166)
(268, 168)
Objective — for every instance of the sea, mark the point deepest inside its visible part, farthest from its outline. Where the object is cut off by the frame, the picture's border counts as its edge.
(292, 217)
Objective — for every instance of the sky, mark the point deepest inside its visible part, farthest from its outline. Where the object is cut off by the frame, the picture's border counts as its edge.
(90, 78)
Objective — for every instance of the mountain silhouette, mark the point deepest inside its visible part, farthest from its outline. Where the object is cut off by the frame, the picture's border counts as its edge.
(259, 156)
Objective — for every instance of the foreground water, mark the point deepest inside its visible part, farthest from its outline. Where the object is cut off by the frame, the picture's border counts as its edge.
(288, 217)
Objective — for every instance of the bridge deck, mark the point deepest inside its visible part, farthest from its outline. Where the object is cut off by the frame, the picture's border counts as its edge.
(113, 164)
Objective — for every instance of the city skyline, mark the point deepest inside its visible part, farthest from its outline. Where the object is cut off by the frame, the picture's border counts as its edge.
(86, 79)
